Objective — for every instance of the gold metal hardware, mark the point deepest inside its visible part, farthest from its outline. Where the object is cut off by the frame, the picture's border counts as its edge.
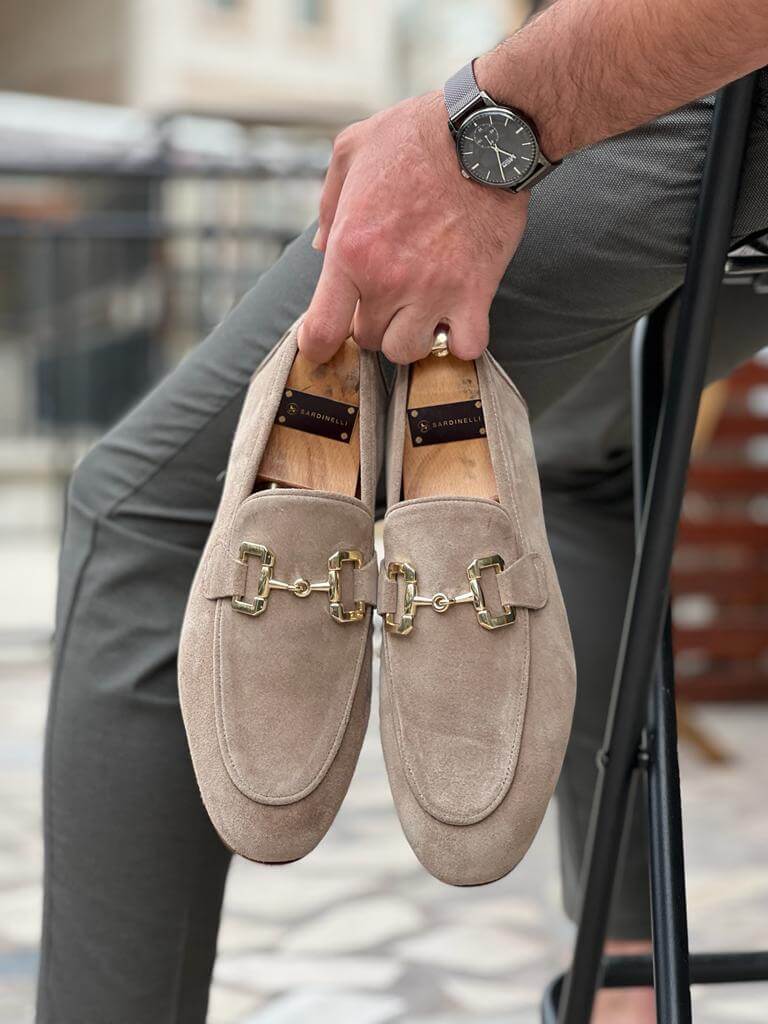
(338, 612)
(300, 587)
(441, 602)
(484, 617)
(404, 624)
(259, 603)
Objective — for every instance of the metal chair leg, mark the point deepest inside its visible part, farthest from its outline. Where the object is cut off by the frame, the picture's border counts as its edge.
(669, 919)
(647, 603)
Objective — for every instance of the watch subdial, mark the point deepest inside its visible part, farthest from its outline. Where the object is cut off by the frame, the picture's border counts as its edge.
(486, 136)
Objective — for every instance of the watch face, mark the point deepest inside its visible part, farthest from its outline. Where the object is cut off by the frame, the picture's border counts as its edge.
(496, 147)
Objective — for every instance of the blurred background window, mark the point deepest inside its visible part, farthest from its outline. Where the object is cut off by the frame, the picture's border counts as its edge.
(312, 12)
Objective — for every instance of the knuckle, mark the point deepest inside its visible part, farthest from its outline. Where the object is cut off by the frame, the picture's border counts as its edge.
(353, 247)
(344, 141)
(339, 145)
(394, 277)
(434, 281)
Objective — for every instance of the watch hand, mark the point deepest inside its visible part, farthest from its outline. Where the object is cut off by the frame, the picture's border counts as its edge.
(501, 169)
(504, 152)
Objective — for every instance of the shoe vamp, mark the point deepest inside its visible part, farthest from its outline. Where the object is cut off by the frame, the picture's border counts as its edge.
(458, 690)
(285, 679)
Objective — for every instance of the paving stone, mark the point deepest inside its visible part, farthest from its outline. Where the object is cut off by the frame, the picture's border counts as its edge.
(240, 934)
(329, 1008)
(230, 1006)
(281, 893)
(359, 933)
(391, 855)
(484, 996)
(274, 972)
(471, 1018)
(467, 948)
(731, 1004)
(355, 926)
(508, 911)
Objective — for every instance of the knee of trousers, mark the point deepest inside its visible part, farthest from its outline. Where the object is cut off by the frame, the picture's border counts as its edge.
(123, 584)
(100, 479)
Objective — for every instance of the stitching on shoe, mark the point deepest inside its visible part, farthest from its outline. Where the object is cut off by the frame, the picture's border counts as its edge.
(501, 791)
(229, 762)
(541, 576)
(519, 699)
(270, 398)
(515, 712)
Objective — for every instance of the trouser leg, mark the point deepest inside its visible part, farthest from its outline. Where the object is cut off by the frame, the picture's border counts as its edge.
(592, 540)
(134, 873)
(583, 446)
(607, 241)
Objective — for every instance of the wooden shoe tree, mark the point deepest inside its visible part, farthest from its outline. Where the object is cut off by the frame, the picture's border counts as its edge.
(444, 402)
(315, 440)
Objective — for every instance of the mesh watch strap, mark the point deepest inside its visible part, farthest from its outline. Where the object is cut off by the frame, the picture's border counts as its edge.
(460, 91)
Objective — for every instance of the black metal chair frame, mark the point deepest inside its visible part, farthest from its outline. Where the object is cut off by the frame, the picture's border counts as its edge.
(641, 732)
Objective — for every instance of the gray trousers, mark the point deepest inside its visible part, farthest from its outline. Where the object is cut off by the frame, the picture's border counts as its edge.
(134, 873)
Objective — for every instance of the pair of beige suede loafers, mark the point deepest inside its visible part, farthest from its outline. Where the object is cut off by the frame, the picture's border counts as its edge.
(477, 668)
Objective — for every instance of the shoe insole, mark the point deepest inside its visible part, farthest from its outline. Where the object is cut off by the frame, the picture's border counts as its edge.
(315, 438)
(446, 450)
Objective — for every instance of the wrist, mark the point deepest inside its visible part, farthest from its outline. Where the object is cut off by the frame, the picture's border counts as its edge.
(506, 76)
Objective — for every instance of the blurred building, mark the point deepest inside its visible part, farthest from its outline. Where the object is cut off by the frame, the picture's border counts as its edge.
(155, 157)
(305, 60)
(187, 121)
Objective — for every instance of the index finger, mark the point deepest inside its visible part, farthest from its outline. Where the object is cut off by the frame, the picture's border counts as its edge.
(328, 321)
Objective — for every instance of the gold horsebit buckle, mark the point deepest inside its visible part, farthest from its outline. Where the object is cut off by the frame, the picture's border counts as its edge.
(441, 602)
(301, 587)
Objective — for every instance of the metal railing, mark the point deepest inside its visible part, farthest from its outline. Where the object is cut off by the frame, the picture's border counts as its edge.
(112, 273)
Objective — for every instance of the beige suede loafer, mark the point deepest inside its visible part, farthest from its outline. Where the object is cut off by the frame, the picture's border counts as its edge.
(275, 656)
(478, 674)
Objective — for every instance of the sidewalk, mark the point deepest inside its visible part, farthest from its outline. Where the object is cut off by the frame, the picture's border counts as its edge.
(358, 933)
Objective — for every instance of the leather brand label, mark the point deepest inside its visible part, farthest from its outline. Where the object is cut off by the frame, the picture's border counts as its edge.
(314, 414)
(439, 424)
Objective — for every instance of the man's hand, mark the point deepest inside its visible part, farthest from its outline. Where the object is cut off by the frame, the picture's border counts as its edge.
(409, 243)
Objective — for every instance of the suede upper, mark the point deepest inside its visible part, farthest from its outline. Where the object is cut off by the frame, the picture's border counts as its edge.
(474, 720)
(456, 717)
(280, 709)
(275, 703)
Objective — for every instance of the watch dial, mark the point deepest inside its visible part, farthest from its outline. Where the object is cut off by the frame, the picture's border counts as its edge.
(497, 147)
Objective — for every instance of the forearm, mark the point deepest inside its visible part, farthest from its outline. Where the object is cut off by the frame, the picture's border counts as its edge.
(588, 69)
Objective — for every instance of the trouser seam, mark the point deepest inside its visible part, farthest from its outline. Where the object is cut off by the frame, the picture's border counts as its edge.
(156, 470)
(48, 865)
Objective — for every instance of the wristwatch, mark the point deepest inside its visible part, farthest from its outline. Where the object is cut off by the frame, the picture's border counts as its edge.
(496, 145)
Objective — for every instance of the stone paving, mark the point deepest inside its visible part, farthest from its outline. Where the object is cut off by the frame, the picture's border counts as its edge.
(358, 933)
